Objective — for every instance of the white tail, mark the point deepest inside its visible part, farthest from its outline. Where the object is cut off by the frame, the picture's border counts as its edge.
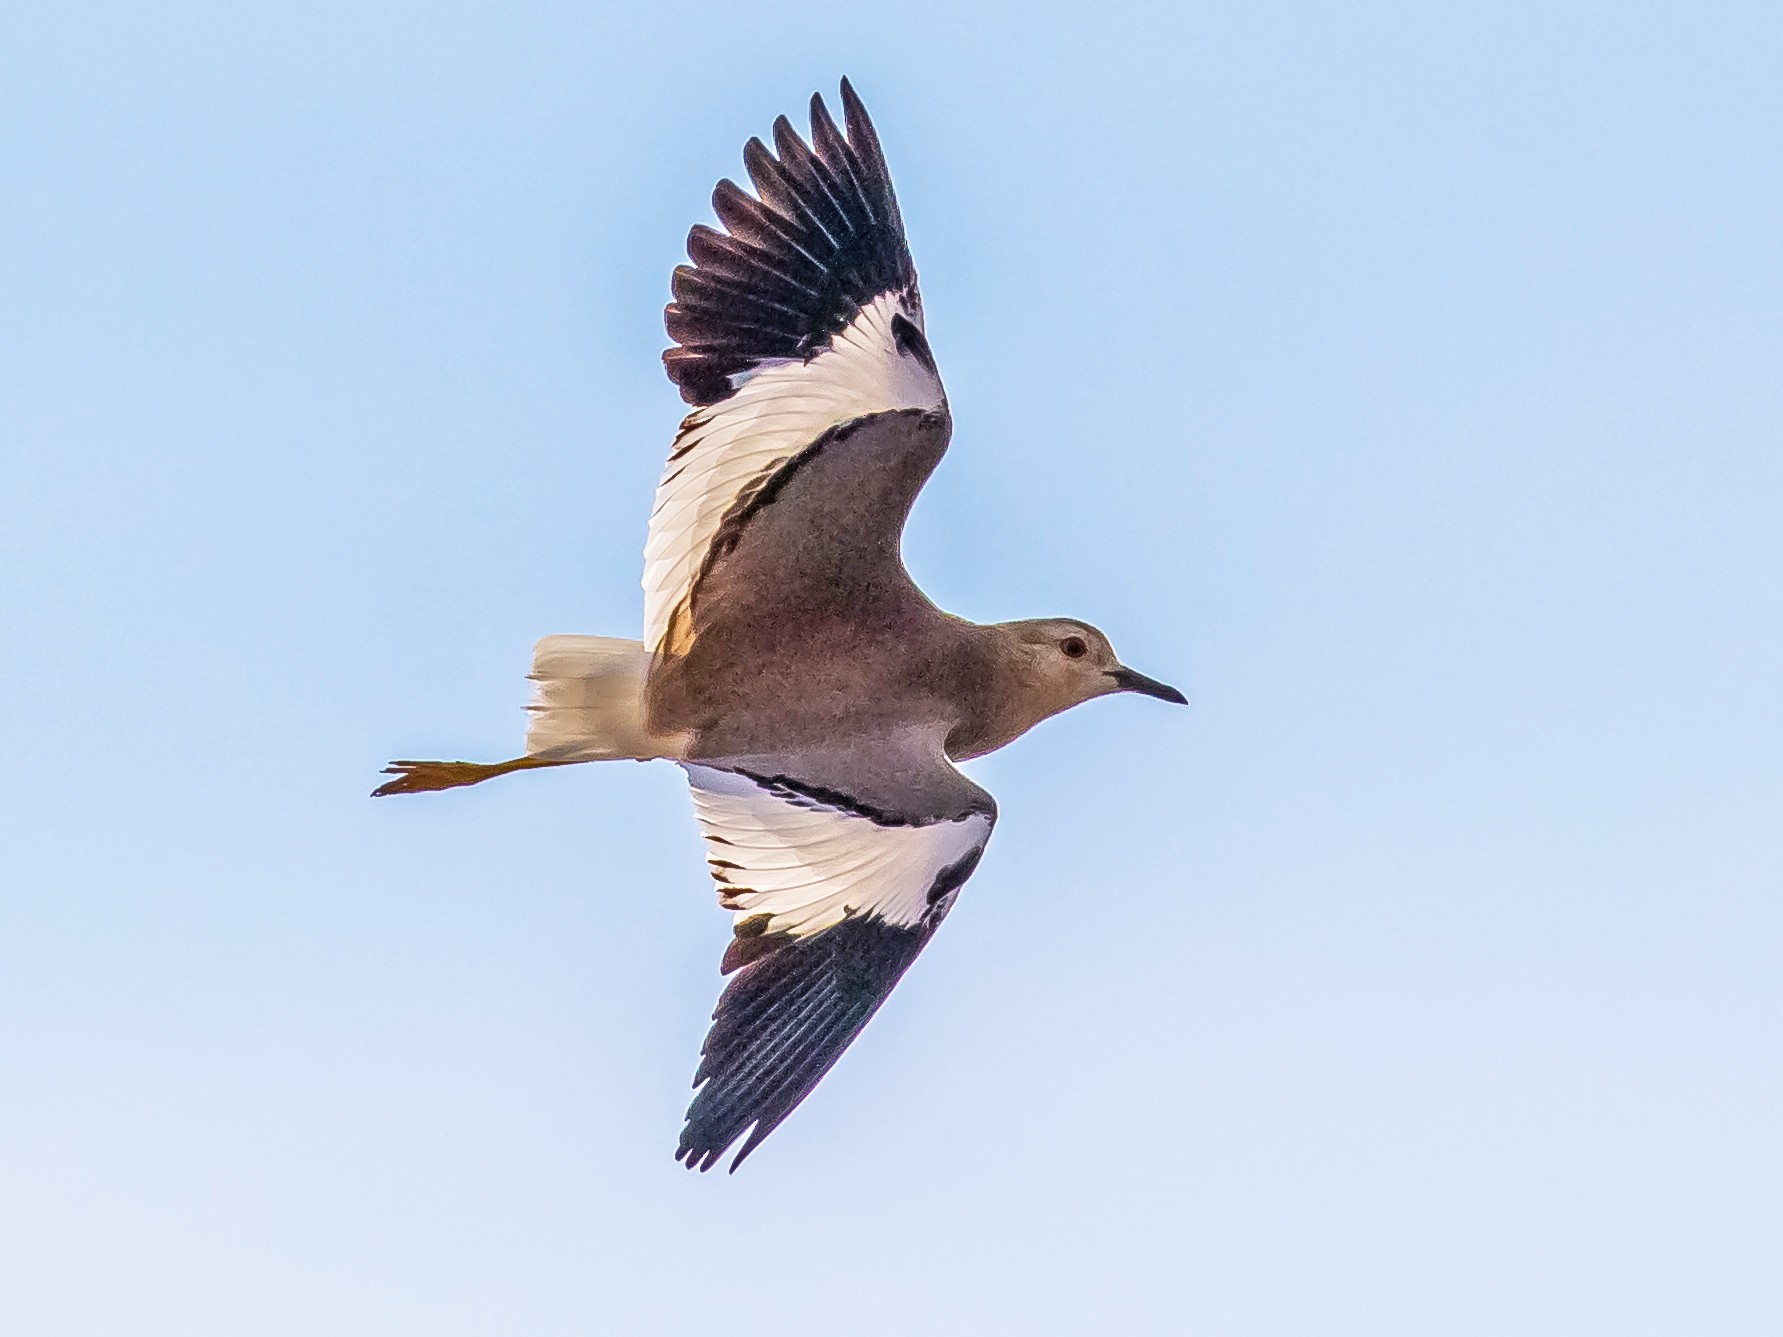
(588, 700)
(588, 705)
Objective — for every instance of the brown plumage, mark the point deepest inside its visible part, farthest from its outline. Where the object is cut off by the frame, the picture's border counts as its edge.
(815, 696)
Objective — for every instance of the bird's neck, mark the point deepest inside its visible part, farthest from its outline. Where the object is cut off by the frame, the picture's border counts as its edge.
(1003, 698)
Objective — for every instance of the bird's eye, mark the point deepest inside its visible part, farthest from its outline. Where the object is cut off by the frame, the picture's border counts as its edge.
(1074, 647)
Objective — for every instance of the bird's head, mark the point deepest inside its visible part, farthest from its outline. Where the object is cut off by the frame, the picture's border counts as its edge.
(1065, 663)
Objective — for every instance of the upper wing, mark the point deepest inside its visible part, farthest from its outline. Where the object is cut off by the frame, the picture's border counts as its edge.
(833, 899)
(801, 316)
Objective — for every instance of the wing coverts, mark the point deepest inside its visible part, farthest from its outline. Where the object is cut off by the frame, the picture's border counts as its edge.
(803, 315)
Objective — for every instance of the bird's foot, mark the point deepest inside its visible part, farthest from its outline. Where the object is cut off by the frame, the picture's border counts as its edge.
(417, 777)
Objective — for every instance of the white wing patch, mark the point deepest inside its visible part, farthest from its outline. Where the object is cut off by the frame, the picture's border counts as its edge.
(808, 865)
(780, 407)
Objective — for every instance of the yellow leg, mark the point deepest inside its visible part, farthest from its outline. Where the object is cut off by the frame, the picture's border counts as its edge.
(416, 777)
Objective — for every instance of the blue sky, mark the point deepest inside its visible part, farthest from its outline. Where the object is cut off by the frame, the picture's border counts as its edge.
(1401, 381)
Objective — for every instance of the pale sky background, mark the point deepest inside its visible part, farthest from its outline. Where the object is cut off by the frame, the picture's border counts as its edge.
(1405, 382)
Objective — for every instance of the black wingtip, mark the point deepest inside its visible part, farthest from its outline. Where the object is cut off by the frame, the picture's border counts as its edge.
(860, 125)
(784, 1020)
(694, 1158)
(821, 238)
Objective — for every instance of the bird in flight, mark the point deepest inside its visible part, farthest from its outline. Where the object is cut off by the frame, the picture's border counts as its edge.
(816, 699)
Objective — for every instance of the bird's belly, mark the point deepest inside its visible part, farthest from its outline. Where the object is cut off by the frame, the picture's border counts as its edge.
(787, 697)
